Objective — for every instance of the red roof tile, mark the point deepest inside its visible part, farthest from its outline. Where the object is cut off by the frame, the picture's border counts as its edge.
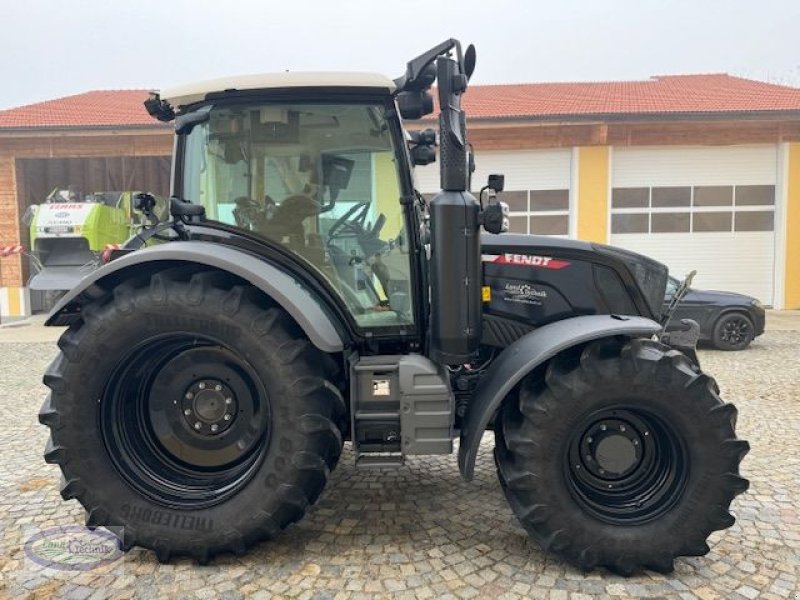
(659, 95)
(672, 94)
(96, 109)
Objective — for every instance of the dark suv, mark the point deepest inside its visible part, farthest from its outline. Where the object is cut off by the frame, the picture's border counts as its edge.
(728, 320)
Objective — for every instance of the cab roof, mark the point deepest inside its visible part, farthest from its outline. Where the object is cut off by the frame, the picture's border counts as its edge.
(190, 93)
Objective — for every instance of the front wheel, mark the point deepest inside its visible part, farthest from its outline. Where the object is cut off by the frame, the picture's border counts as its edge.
(620, 455)
(190, 411)
(733, 331)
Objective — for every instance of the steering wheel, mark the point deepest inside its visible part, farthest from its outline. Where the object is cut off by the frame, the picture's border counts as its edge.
(353, 221)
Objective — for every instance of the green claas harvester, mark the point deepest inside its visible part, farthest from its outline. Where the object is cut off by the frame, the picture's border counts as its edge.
(305, 294)
(70, 231)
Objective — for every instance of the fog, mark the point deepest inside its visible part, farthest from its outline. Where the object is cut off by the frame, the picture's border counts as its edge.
(53, 48)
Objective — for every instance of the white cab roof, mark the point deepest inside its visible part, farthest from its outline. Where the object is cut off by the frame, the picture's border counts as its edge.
(183, 95)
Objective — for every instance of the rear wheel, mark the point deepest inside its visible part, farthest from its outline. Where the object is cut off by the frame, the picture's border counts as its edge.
(192, 413)
(620, 455)
(733, 331)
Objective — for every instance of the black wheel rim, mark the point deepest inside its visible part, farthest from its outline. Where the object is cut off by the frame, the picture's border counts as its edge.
(185, 420)
(625, 465)
(735, 331)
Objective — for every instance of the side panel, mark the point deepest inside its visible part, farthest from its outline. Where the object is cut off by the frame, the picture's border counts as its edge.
(284, 289)
(524, 355)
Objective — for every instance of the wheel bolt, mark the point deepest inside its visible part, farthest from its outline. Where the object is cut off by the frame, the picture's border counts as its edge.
(603, 427)
(227, 417)
(622, 427)
(610, 486)
(189, 395)
(187, 412)
(198, 425)
(589, 457)
(602, 472)
(635, 442)
(214, 428)
(228, 400)
(589, 440)
(647, 433)
(218, 388)
(202, 386)
(577, 466)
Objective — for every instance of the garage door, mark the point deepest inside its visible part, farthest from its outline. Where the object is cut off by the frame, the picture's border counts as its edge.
(709, 209)
(537, 186)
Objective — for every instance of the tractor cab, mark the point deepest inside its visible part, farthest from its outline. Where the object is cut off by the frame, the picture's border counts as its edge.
(321, 177)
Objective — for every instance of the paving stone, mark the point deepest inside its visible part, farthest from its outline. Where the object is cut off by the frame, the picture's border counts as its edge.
(421, 531)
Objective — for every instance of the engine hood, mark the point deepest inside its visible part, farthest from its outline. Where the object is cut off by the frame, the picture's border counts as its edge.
(718, 297)
(646, 278)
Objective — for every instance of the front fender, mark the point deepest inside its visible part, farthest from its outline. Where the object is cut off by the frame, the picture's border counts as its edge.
(278, 285)
(524, 355)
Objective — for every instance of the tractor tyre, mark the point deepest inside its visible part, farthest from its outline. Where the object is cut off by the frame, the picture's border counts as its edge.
(620, 454)
(190, 415)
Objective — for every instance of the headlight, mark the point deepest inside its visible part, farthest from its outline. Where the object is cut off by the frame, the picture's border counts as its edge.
(757, 304)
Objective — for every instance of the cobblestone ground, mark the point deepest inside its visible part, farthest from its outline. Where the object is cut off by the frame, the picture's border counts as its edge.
(420, 531)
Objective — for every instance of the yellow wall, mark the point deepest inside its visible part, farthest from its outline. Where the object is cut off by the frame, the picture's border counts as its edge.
(592, 194)
(14, 303)
(387, 193)
(792, 273)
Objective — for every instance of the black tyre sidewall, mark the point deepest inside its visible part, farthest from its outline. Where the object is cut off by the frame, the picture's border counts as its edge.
(271, 498)
(657, 389)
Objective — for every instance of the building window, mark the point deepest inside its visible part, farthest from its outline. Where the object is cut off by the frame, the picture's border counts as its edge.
(542, 212)
(630, 197)
(630, 223)
(670, 222)
(713, 195)
(758, 195)
(712, 221)
(663, 197)
(698, 209)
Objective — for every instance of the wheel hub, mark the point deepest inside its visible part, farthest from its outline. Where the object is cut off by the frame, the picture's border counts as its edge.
(611, 449)
(209, 407)
(186, 419)
(625, 464)
(735, 331)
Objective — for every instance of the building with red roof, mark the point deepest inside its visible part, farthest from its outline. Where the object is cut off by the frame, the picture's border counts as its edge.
(699, 171)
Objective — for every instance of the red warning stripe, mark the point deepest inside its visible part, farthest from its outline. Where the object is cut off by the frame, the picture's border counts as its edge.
(11, 250)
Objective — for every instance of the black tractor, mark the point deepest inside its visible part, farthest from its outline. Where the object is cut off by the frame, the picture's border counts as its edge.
(303, 293)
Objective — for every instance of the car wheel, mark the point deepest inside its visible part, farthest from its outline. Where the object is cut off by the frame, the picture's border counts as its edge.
(733, 331)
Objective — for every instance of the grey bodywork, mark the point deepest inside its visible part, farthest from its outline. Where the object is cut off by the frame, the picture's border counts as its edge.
(281, 287)
(524, 355)
(58, 278)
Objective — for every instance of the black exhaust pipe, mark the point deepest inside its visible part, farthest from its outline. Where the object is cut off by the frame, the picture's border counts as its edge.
(455, 264)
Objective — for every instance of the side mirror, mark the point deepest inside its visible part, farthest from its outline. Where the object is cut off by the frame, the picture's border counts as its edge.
(496, 182)
(423, 155)
(414, 105)
(144, 203)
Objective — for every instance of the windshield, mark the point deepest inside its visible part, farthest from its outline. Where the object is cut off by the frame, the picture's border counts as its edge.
(322, 180)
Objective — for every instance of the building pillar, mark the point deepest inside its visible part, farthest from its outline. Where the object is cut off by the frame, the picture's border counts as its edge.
(791, 270)
(593, 177)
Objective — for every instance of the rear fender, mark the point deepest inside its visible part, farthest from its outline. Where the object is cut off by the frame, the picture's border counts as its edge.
(524, 355)
(287, 291)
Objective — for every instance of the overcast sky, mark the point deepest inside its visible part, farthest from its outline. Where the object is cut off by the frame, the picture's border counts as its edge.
(53, 48)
